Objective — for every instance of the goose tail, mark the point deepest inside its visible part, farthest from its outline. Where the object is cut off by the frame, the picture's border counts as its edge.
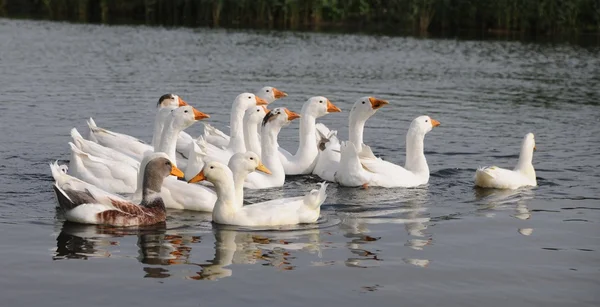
(483, 176)
(315, 198)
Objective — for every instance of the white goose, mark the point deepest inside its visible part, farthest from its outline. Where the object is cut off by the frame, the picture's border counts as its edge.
(116, 176)
(522, 175)
(235, 141)
(230, 210)
(270, 94)
(272, 124)
(329, 146)
(367, 170)
(101, 151)
(303, 162)
(127, 144)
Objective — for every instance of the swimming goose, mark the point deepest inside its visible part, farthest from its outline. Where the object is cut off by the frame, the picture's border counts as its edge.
(235, 141)
(229, 210)
(82, 207)
(364, 169)
(271, 125)
(303, 162)
(329, 145)
(127, 144)
(522, 175)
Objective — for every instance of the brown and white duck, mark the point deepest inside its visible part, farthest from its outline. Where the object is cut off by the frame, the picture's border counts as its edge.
(83, 207)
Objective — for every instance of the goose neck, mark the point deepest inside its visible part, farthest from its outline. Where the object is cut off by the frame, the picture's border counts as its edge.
(415, 155)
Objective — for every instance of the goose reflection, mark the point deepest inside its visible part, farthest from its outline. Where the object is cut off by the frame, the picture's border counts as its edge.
(79, 241)
(275, 249)
(503, 199)
(412, 215)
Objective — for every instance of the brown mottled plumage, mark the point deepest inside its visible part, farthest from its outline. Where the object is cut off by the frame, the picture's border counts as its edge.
(82, 207)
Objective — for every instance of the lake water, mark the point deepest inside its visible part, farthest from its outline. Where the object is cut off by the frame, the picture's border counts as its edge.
(443, 243)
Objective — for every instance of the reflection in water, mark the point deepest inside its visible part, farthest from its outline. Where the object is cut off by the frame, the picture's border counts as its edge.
(410, 215)
(77, 241)
(271, 248)
(501, 199)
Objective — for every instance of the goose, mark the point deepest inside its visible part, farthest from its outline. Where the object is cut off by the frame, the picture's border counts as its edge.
(235, 141)
(271, 125)
(82, 207)
(116, 176)
(303, 162)
(521, 176)
(127, 144)
(229, 209)
(328, 143)
(364, 169)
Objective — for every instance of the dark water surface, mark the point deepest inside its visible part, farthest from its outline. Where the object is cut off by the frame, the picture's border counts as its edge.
(445, 243)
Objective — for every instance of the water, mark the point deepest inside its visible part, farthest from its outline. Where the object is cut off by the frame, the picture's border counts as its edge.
(442, 242)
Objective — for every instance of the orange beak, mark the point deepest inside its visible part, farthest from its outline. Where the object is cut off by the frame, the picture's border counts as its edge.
(291, 115)
(260, 101)
(176, 172)
(278, 94)
(434, 123)
(182, 102)
(198, 178)
(199, 115)
(377, 103)
(331, 107)
(265, 108)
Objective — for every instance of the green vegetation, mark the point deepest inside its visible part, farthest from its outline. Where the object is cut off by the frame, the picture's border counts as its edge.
(532, 16)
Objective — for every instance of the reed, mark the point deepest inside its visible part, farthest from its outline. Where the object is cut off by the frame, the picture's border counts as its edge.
(541, 16)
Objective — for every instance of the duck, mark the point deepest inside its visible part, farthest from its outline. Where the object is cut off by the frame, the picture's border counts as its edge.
(364, 169)
(117, 176)
(252, 121)
(303, 161)
(271, 125)
(235, 141)
(230, 211)
(523, 175)
(82, 207)
(329, 145)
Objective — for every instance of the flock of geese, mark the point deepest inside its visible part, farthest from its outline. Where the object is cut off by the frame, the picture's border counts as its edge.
(108, 164)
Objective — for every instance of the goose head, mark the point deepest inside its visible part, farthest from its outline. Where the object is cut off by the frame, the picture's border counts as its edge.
(529, 142)
(270, 94)
(365, 107)
(185, 116)
(158, 169)
(170, 100)
(279, 117)
(214, 172)
(422, 125)
(255, 115)
(246, 100)
(247, 162)
(318, 106)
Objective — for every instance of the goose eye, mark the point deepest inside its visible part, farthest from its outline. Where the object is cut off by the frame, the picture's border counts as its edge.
(426, 120)
(249, 97)
(251, 158)
(168, 163)
(212, 167)
(185, 111)
(257, 110)
(267, 91)
(364, 102)
(320, 101)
